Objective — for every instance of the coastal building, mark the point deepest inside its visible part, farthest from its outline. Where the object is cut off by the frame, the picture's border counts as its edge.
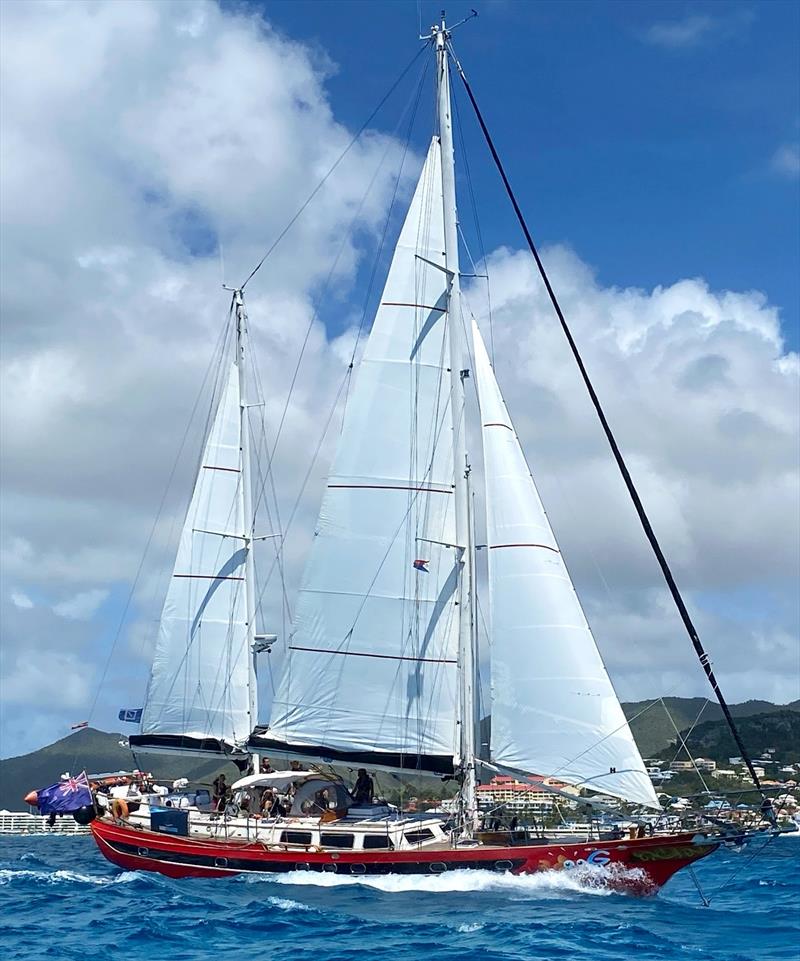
(522, 797)
(705, 764)
(680, 766)
(21, 822)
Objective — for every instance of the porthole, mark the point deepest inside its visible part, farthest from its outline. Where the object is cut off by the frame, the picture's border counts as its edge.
(503, 865)
(436, 867)
(330, 868)
(220, 862)
(358, 869)
(143, 852)
(304, 866)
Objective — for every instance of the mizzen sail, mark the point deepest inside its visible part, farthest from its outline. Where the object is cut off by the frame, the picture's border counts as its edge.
(198, 694)
(554, 709)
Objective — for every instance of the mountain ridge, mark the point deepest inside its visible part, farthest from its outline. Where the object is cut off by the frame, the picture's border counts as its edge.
(99, 751)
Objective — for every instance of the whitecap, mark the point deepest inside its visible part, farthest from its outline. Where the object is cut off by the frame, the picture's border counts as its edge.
(9, 875)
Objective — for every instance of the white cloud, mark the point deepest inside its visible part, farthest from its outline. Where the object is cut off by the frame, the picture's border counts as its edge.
(786, 160)
(20, 600)
(81, 606)
(703, 398)
(694, 30)
(168, 125)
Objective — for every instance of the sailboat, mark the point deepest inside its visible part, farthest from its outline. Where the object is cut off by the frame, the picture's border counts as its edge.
(381, 668)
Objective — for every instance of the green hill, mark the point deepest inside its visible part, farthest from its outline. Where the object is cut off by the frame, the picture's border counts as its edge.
(654, 731)
(778, 730)
(95, 752)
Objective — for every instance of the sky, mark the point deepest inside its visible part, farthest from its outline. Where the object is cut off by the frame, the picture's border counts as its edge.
(152, 149)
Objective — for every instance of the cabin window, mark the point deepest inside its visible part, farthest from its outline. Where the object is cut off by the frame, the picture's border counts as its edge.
(374, 841)
(417, 837)
(296, 837)
(336, 840)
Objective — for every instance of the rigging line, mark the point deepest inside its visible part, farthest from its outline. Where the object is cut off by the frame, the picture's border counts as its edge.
(376, 260)
(221, 339)
(476, 218)
(682, 740)
(703, 657)
(743, 864)
(336, 163)
(346, 234)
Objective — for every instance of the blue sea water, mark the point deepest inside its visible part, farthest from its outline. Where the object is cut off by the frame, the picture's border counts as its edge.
(60, 899)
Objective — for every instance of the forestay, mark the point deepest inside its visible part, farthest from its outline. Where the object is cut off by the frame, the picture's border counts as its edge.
(199, 682)
(554, 710)
(370, 672)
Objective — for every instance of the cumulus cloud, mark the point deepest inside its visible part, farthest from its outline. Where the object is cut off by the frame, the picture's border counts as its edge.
(174, 130)
(703, 398)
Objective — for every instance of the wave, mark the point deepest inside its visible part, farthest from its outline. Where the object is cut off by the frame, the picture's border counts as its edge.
(9, 875)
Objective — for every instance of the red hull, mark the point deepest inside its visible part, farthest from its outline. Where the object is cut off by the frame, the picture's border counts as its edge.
(640, 865)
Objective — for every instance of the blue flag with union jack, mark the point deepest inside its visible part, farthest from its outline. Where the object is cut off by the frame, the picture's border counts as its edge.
(66, 796)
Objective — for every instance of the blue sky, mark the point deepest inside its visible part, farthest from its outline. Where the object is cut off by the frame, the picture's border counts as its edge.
(649, 144)
(647, 136)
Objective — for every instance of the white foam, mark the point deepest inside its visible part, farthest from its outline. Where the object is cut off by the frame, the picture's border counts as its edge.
(468, 928)
(286, 904)
(583, 880)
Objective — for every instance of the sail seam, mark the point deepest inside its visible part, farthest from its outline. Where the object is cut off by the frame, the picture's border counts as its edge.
(495, 547)
(392, 487)
(232, 470)
(393, 303)
(383, 657)
(210, 577)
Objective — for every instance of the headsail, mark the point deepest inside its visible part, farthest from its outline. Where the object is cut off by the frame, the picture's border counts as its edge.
(370, 672)
(554, 709)
(198, 695)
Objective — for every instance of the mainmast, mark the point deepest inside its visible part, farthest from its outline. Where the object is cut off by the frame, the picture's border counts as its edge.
(460, 350)
(240, 319)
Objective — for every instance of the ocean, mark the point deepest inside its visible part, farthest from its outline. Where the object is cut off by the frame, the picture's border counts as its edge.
(59, 898)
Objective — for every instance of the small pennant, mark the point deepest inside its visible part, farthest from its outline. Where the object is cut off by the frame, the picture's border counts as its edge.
(77, 727)
(420, 565)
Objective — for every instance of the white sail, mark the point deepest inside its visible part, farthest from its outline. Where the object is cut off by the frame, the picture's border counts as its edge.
(554, 709)
(370, 671)
(199, 683)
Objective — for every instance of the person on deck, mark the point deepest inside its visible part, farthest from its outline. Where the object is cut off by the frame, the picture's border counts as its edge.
(363, 789)
(266, 767)
(220, 786)
(296, 766)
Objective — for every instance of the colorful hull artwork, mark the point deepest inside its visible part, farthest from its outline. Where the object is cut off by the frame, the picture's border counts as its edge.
(639, 866)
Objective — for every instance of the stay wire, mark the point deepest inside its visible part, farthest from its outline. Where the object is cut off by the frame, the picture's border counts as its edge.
(218, 348)
(336, 163)
(703, 657)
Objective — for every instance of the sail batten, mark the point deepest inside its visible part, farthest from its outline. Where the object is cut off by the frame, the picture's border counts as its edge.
(554, 709)
(370, 668)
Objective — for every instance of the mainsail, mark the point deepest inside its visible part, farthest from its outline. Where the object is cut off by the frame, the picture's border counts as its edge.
(554, 709)
(370, 671)
(199, 690)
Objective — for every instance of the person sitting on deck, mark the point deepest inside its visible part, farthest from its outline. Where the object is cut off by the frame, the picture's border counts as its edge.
(363, 789)
(296, 766)
(266, 767)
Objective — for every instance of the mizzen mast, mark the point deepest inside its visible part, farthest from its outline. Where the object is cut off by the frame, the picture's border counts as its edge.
(240, 319)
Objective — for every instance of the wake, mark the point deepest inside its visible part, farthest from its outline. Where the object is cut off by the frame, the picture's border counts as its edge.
(588, 879)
